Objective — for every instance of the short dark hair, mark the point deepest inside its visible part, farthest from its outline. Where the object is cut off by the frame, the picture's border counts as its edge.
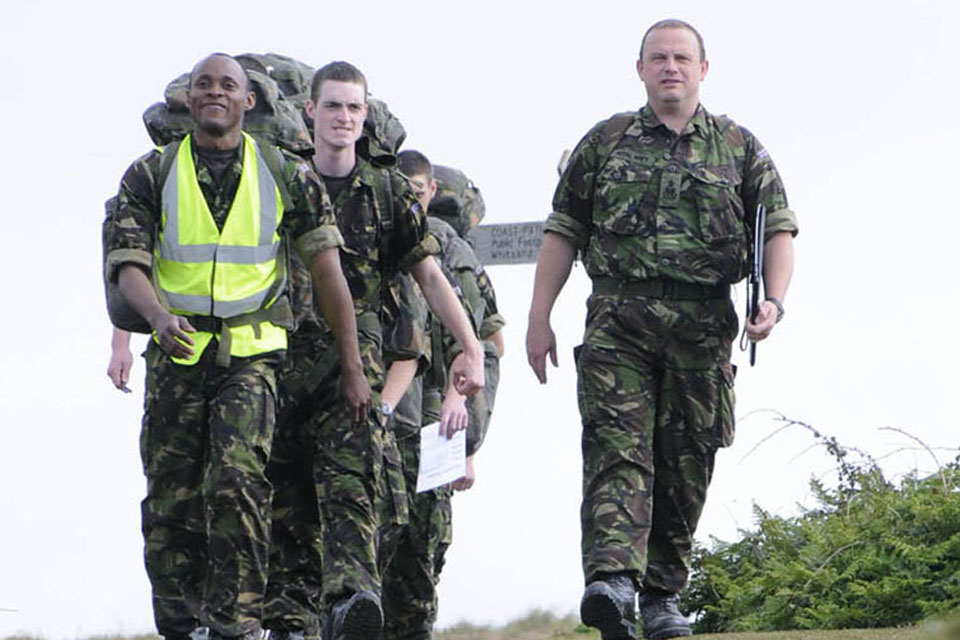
(673, 23)
(217, 54)
(340, 71)
(413, 163)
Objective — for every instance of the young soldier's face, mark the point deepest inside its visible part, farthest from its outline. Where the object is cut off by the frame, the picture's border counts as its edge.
(425, 187)
(671, 68)
(218, 95)
(338, 114)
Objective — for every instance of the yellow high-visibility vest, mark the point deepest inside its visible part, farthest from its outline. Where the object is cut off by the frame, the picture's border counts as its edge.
(201, 271)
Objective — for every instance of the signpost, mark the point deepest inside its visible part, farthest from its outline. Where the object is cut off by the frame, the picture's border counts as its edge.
(516, 243)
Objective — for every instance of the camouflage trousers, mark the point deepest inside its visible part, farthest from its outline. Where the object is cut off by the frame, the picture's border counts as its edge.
(655, 389)
(338, 492)
(204, 444)
(295, 572)
(410, 580)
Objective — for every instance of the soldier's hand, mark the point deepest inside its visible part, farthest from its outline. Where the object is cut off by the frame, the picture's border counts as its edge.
(453, 414)
(467, 371)
(121, 362)
(173, 335)
(356, 395)
(766, 318)
(540, 342)
(464, 483)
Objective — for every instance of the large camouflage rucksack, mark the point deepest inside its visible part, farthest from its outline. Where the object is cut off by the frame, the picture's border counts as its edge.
(274, 118)
(458, 201)
(382, 132)
(282, 87)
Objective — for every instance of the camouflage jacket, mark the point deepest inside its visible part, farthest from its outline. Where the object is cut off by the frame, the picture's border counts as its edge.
(376, 249)
(470, 282)
(405, 315)
(131, 238)
(414, 333)
(472, 285)
(406, 337)
(651, 203)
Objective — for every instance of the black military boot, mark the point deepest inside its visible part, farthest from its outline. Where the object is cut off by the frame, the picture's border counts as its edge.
(358, 617)
(661, 617)
(607, 605)
(200, 633)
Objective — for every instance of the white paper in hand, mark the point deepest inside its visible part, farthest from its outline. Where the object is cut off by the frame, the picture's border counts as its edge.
(441, 460)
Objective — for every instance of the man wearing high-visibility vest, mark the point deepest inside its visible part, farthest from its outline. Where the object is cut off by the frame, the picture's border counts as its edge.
(198, 249)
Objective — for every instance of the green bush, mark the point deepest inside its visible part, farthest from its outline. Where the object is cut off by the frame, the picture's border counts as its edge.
(871, 554)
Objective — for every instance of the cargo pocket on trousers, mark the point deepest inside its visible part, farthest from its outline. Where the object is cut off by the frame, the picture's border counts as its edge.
(726, 399)
(395, 502)
(585, 403)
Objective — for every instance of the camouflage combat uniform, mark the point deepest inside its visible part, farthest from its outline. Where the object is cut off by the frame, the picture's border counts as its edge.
(469, 279)
(207, 430)
(409, 583)
(357, 484)
(661, 222)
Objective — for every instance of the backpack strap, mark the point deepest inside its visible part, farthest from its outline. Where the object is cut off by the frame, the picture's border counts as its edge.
(384, 198)
(168, 153)
(736, 136)
(610, 134)
(436, 376)
(275, 162)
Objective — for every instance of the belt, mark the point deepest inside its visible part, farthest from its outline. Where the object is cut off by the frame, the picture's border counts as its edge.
(279, 314)
(661, 288)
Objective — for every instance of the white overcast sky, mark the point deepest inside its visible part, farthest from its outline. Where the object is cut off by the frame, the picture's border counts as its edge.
(854, 100)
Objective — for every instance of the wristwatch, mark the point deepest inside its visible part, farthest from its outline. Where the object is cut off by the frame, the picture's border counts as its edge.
(779, 305)
(386, 409)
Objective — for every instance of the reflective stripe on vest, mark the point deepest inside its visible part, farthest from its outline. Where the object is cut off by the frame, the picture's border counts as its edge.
(204, 271)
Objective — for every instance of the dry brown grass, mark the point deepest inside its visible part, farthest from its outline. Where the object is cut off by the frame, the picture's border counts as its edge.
(543, 625)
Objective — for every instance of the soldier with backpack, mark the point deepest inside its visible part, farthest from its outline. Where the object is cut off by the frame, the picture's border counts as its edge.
(352, 459)
(657, 203)
(277, 82)
(194, 252)
(411, 577)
